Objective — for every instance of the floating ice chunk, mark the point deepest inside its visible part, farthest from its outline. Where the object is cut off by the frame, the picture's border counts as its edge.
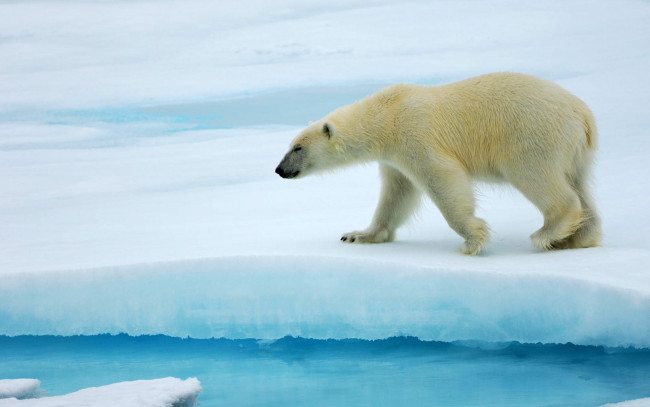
(166, 392)
(632, 403)
(18, 388)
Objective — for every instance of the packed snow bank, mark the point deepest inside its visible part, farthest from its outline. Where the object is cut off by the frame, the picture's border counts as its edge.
(270, 297)
(18, 388)
(167, 392)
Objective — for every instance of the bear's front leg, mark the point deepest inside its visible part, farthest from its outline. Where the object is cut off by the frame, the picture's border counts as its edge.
(450, 188)
(398, 200)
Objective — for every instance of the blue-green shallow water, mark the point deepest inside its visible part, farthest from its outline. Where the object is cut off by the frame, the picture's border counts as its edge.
(306, 372)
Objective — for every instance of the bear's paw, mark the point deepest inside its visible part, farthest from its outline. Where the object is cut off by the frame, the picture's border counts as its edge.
(373, 236)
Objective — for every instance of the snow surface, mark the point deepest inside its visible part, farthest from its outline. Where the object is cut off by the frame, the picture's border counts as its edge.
(117, 148)
(166, 392)
(18, 388)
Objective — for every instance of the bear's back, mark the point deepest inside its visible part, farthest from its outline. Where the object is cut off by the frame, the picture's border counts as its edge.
(493, 119)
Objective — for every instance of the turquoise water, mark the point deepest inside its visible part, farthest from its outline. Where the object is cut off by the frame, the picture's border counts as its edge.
(299, 372)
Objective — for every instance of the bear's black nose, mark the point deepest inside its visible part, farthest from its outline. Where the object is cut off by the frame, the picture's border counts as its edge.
(281, 172)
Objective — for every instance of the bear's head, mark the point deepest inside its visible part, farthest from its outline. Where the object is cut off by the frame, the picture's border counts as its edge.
(315, 149)
(351, 134)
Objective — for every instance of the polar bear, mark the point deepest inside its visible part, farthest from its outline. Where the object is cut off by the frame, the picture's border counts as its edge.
(503, 127)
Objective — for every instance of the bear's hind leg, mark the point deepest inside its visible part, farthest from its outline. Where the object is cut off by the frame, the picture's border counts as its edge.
(398, 200)
(560, 205)
(589, 233)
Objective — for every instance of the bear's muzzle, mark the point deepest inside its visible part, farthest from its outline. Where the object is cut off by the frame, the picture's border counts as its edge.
(292, 163)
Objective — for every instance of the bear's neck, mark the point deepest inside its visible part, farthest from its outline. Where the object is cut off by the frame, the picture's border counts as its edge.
(370, 130)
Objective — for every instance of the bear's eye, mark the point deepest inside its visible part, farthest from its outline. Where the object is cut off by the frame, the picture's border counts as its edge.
(297, 148)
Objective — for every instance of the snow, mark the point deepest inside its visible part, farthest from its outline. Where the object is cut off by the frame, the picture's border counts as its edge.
(18, 388)
(138, 142)
(166, 392)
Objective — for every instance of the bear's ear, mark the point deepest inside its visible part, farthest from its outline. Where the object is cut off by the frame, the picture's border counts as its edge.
(327, 130)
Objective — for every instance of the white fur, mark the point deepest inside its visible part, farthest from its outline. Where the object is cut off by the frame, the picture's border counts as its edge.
(503, 127)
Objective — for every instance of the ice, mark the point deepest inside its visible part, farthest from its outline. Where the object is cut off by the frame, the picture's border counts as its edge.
(193, 234)
(166, 392)
(18, 388)
(324, 297)
(632, 403)
(138, 143)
